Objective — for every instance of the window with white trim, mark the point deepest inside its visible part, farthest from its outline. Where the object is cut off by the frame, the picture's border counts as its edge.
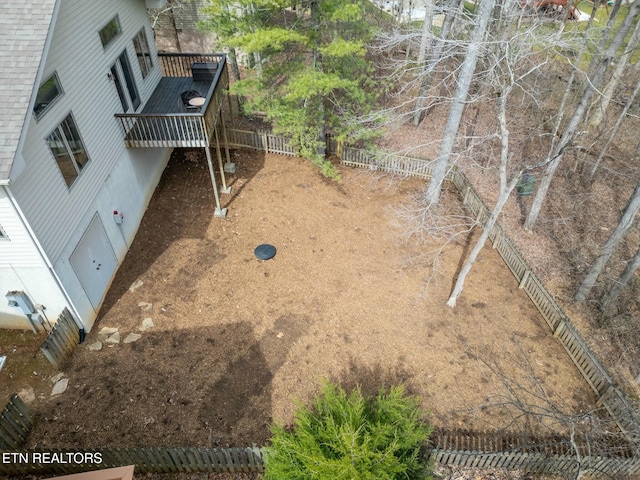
(142, 52)
(110, 31)
(68, 149)
(49, 91)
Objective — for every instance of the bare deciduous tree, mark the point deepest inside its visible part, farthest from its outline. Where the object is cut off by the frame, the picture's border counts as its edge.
(610, 298)
(595, 80)
(441, 163)
(602, 102)
(523, 404)
(626, 221)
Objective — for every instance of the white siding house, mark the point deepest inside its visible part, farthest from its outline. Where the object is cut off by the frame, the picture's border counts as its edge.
(67, 67)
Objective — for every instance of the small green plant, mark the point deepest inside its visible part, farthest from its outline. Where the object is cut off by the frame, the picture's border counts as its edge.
(349, 437)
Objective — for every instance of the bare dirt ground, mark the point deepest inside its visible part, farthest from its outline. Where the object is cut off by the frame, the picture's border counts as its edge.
(237, 341)
(578, 214)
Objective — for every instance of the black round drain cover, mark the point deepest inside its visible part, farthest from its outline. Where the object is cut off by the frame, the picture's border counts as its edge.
(265, 251)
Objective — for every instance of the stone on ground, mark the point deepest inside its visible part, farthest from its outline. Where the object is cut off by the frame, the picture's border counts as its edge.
(56, 377)
(96, 346)
(132, 337)
(146, 324)
(113, 339)
(60, 387)
(135, 285)
(107, 330)
(27, 395)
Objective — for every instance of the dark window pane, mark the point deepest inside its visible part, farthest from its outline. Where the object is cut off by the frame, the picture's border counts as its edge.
(129, 81)
(116, 80)
(143, 53)
(68, 150)
(47, 93)
(110, 31)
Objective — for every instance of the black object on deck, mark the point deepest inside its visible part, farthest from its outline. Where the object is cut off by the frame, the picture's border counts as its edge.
(203, 71)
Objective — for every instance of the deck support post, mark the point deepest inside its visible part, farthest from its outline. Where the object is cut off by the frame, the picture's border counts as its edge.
(225, 188)
(219, 212)
(229, 166)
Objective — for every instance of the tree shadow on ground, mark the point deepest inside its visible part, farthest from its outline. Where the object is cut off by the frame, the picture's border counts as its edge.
(238, 405)
(181, 209)
(194, 387)
(205, 387)
(371, 379)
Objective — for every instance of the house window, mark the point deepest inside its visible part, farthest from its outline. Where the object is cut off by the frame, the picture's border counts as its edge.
(125, 83)
(110, 31)
(48, 92)
(142, 52)
(3, 235)
(68, 149)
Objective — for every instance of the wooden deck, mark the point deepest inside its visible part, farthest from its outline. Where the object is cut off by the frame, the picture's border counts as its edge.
(166, 96)
(165, 120)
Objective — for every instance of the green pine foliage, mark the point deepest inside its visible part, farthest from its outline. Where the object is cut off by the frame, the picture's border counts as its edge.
(347, 436)
(313, 75)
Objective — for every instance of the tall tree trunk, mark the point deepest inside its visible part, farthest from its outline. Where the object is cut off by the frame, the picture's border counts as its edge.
(598, 76)
(174, 30)
(235, 69)
(615, 129)
(441, 164)
(625, 223)
(506, 187)
(428, 76)
(609, 300)
(602, 103)
(569, 87)
(425, 40)
(317, 66)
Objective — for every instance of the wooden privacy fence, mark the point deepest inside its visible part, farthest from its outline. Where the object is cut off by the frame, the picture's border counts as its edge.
(15, 424)
(251, 459)
(62, 339)
(608, 394)
(530, 454)
(146, 460)
(263, 141)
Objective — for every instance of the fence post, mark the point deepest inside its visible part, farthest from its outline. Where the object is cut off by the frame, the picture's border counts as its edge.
(265, 140)
(561, 326)
(496, 240)
(467, 191)
(524, 279)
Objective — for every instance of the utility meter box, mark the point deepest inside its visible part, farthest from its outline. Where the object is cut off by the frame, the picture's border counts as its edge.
(20, 300)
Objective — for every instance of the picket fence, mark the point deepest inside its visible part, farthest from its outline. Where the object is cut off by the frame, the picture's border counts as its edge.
(153, 460)
(15, 424)
(608, 394)
(464, 449)
(62, 339)
(146, 460)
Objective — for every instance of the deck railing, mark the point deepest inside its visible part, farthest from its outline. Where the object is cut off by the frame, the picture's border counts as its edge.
(191, 129)
(179, 64)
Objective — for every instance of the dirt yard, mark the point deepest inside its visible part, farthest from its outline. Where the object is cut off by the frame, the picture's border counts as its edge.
(236, 341)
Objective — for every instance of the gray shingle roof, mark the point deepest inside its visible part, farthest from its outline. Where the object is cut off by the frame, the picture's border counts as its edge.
(23, 32)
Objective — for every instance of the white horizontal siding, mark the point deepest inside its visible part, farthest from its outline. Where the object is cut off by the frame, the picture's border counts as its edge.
(77, 55)
(22, 268)
(18, 250)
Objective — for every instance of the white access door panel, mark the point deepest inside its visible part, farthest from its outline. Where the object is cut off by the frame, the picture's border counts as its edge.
(94, 262)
